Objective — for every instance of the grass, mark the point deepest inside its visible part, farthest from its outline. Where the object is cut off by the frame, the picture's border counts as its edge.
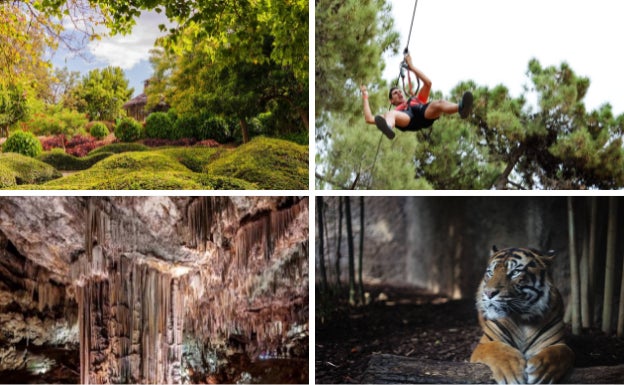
(262, 163)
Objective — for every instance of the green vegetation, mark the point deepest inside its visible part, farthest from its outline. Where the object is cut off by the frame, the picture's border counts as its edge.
(263, 163)
(16, 169)
(128, 130)
(270, 163)
(99, 130)
(62, 161)
(508, 142)
(118, 148)
(24, 143)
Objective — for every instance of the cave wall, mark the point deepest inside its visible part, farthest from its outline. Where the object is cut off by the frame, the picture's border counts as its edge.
(139, 279)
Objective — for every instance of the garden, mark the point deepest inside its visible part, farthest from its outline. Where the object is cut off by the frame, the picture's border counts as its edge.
(163, 154)
(209, 118)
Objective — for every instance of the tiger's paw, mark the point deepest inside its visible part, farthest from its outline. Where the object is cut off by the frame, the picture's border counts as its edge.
(549, 365)
(506, 363)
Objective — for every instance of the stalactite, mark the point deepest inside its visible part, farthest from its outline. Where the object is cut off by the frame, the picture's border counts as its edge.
(130, 310)
(266, 230)
(201, 215)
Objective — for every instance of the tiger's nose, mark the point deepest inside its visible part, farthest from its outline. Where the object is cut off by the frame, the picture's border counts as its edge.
(491, 293)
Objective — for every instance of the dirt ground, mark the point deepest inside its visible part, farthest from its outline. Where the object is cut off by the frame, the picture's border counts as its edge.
(413, 323)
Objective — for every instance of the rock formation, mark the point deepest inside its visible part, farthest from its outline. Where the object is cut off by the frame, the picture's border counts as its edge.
(151, 287)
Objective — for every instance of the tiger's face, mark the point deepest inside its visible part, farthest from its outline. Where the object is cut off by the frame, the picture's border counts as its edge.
(516, 284)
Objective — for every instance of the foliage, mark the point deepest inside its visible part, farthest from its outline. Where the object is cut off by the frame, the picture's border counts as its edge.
(262, 163)
(249, 59)
(80, 145)
(118, 148)
(26, 170)
(24, 143)
(55, 120)
(169, 142)
(12, 106)
(128, 130)
(351, 36)
(504, 144)
(102, 93)
(159, 125)
(270, 163)
(62, 161)
(195, 159)
(99, 130)
(7, 177)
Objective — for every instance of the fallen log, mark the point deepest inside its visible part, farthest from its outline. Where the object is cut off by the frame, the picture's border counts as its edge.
(390, 369)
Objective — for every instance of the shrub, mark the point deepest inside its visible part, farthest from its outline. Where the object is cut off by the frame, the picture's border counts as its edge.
(99, 130)
(159, 125)
(59, 122)
(27, 170)
(213, 127)
(24, 143)
(128, 130)
(80, 145)
(57, 141)
(185, 126)
(58, 159)
(118, 148)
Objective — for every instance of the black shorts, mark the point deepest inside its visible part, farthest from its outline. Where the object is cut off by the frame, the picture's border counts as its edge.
(417, 118)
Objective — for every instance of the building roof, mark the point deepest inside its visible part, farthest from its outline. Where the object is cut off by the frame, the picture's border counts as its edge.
(137, 101)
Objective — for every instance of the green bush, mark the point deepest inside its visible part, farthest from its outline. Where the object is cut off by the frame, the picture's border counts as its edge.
(24, 143)
(272, 164)
(53, 121)
(184, 126)
(128, 130)
(60, 160)
(118, 148)
(26, 170)
(99, 130)
(159, 125)
(7, 176)
(213, 127)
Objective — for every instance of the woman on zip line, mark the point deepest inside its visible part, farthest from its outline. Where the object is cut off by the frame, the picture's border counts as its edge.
(417, 112)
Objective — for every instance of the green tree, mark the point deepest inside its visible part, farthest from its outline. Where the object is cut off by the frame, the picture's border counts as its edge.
(102, 93)
(351, 36)
(505, 144)
(13, 106)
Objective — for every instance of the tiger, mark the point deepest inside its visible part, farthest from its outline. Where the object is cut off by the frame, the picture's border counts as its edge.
(521, 314)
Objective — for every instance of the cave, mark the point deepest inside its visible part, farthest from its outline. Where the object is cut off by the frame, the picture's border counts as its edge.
(154, 289)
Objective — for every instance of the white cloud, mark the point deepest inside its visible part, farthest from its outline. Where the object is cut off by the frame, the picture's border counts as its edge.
(127, 51)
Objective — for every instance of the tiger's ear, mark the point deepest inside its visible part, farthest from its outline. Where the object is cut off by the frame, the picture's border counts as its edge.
(548, 257)
(494, 250)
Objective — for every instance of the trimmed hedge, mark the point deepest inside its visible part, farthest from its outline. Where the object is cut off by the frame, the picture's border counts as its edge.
(118, 148)
(60, 160)
(26, 170)
(272, 164)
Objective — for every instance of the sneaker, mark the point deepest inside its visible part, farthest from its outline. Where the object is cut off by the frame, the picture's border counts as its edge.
(380, 122)
(465, 105)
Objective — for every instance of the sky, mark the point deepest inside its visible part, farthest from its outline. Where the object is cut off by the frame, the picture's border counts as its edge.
(130, 52)
(492, 41)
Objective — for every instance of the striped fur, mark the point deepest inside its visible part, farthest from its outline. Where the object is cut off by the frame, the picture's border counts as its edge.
(521, 313)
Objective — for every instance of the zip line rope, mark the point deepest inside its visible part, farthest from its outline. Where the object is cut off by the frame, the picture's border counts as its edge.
(401, 75)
